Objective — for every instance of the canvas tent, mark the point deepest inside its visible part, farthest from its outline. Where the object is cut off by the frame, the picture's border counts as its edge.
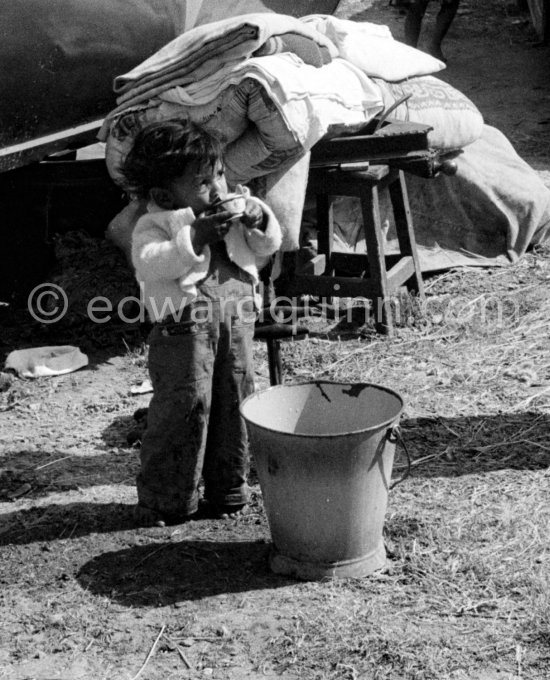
(58, 60)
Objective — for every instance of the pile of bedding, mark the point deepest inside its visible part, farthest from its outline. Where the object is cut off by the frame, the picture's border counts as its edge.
(271, 86)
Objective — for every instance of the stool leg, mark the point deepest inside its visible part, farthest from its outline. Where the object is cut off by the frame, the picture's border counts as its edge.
(274, 362)
(325, 228)
(405, 231)
(283, 284)
(325, 232)
(374, 238)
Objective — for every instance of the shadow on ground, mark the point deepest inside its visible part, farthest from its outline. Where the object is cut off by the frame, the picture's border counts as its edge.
(438, 447)
(26, 474)
(450, 447)
(173, 572)
(67, 520)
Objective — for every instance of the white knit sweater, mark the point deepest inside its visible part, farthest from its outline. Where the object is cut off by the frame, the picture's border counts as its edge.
(167, 267)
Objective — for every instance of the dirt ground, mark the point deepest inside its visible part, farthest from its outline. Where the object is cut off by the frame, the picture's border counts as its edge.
(85, 595)
(495, 58)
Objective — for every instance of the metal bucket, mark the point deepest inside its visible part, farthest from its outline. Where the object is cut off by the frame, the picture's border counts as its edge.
(324, 454)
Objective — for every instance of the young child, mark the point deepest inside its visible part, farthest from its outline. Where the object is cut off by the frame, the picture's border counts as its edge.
(197, 265)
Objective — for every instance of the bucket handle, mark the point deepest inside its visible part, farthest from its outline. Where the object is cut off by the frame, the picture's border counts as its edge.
(394, 435)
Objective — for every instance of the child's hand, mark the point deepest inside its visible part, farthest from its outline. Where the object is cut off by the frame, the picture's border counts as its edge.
(253, 217)
(210, 228)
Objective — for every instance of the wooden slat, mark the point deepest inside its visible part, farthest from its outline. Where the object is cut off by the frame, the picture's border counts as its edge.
(17, 155)
(315, 267)
(400, 272)
(331, 286)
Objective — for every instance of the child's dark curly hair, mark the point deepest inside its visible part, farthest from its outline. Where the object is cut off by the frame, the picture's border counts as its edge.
(162, 151)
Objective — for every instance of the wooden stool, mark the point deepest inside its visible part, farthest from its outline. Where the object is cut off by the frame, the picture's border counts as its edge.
(380, 275)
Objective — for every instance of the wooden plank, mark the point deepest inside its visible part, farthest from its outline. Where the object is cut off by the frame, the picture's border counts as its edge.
(17, 155)
(336, 182)
(332, 286)
(351, 262)
(396, 140)
(315, 267)
(400, 272)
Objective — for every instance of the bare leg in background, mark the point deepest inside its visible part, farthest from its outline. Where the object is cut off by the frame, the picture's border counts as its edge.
(413, 24)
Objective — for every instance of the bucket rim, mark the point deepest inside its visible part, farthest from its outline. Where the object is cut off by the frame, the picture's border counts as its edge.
(371, 428)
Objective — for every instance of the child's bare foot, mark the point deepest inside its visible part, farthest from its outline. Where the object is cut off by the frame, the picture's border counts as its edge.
(147, 517)
(214, 511)
(233, 511)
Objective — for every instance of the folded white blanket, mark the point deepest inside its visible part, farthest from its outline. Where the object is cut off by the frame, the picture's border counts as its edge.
(206, 55)
(309, 99)
(205, 49)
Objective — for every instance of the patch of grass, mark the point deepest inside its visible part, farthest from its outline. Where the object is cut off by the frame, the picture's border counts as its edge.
(137, 353)
(466, 589)
(466, 592)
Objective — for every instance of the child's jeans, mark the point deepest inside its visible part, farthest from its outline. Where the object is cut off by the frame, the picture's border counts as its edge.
(201, 368)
